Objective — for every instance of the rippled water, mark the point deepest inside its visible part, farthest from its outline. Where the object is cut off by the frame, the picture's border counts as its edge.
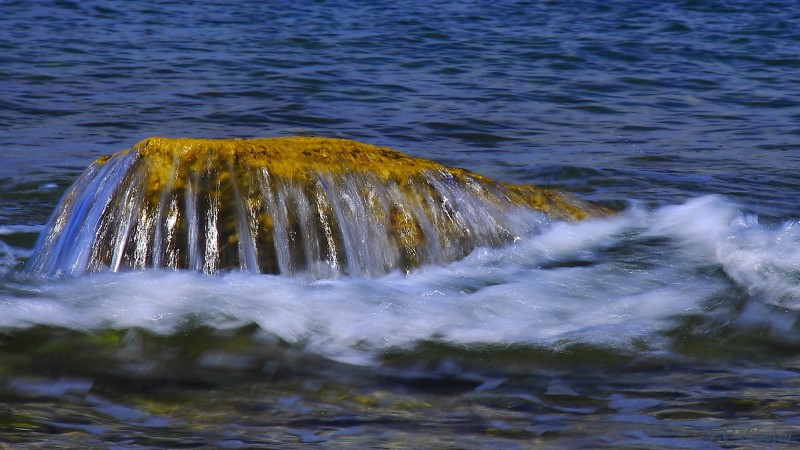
(672, 325)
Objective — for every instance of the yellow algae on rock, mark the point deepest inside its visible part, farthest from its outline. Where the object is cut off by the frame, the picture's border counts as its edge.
(290, 205)
(296, 157)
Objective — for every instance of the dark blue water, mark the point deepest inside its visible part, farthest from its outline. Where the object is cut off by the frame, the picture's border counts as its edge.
(685, 114)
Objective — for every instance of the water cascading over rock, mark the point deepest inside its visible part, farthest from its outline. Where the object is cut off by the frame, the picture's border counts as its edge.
(296, 205)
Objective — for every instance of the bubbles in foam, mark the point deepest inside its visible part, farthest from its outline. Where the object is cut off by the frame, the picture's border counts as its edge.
(763, 261)
(610, 282)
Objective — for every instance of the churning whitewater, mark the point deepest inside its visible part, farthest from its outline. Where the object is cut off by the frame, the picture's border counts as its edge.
(621, 282)
(184, 299)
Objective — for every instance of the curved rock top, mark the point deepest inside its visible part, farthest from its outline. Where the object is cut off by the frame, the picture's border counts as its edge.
(292, 205)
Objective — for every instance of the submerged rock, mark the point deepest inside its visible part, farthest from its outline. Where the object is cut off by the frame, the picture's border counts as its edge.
(316, 206)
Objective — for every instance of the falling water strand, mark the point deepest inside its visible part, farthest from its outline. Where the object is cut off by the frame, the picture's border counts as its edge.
(212, 209)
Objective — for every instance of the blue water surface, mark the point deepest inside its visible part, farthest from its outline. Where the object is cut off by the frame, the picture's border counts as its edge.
(624, 101)
(674, 325)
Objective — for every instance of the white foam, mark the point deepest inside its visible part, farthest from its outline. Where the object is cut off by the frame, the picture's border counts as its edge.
(11, 257)
(16, 229)
(612, 282)
(764, 261)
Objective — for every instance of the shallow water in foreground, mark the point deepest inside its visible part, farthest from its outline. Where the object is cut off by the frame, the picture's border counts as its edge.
(645, 329)
(646, 406)
(673, 325)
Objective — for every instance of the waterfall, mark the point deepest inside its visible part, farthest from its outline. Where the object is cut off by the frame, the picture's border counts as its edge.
(314, 206)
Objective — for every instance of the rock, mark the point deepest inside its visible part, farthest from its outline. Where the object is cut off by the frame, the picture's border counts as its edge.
(294, 205)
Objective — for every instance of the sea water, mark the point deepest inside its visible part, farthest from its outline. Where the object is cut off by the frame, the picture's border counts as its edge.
(673, 324)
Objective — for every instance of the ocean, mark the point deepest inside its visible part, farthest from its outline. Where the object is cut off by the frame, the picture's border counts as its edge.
(674, 323)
